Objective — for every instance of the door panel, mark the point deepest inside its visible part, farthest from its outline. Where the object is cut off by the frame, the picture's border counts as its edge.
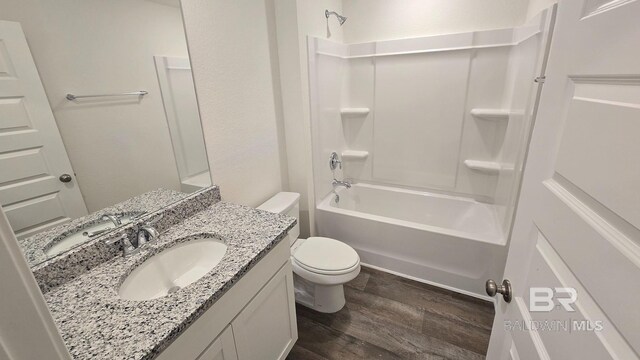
(266, 328)
(527, 343)
(596, 254)
(513, 353)
(602, 124)
(13, 114)
(14, 193)
(32, 155)
(578, 220)
(6, 67)
(222, 348)
(22, 164)
(548, 270)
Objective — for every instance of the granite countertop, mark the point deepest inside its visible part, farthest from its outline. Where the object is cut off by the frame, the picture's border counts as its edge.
(96, 323)
(34, 246)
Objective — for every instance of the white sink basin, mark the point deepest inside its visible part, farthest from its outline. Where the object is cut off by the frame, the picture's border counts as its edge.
(173, 269)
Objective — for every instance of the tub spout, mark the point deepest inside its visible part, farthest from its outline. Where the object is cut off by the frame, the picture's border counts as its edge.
(337, 183)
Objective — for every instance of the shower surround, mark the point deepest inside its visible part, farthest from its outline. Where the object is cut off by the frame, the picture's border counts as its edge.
(433, 125)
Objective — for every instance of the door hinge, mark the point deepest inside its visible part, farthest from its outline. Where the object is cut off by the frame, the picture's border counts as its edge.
(540, 79)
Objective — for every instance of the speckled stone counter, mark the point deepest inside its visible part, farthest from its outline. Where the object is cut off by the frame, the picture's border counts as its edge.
(96, 324)
(34, 246)
(78, 260)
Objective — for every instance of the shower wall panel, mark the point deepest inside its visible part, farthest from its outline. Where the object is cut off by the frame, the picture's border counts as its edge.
(422, 97)
(419, 113)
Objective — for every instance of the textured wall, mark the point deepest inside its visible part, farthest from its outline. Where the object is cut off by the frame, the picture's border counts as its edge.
(295, 20)
(371, 20)
(231, 56)
(535, 6)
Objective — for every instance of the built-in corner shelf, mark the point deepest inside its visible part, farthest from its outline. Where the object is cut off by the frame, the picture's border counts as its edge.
(354, 155)
(489, 167)
(491, 114)
(354, 111)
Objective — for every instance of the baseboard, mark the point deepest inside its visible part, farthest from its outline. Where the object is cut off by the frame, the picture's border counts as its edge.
(432, 283)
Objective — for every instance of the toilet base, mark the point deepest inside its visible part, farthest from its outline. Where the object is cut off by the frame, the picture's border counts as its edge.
(321, 298)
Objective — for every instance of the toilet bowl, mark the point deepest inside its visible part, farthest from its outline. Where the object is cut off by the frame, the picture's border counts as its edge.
(321, 265)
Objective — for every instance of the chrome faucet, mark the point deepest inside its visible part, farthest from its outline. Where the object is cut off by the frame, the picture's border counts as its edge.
(146, 234)
(91, 234)
(337, 183)
(113, 218)
(127, 247)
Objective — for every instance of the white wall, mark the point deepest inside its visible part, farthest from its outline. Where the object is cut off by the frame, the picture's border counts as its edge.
(232, 62)
(118, 149)
(295, 19)
(535, 6)
(374, 20)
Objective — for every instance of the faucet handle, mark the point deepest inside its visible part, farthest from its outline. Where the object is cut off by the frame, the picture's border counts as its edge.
(147, 234)
(115, 219)
(128, 248)
(122, 238)
(334, 161)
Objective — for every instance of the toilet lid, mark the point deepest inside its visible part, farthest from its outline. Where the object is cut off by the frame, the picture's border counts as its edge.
(321, 254)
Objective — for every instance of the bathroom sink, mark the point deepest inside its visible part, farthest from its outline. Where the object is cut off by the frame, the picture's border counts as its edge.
(82, 235)
(173, 269)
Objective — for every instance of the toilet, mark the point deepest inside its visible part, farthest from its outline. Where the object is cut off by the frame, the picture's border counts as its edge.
(321, 265)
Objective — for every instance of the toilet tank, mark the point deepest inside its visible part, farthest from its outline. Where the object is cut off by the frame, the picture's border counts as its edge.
(285, 203)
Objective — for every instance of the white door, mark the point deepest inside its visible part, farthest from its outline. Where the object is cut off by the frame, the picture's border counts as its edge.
(578, 221)
(32, 155)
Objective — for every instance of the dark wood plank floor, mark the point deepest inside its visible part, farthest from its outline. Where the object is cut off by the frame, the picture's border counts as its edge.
(390, 317)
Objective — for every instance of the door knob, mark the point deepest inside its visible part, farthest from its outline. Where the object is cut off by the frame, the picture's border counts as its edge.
(65, 178)
(504, 289)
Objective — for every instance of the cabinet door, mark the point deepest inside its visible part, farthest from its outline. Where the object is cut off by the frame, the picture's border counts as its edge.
(266, 328)
(222, 348)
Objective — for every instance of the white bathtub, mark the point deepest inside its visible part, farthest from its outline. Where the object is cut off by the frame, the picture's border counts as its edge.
(448, 241)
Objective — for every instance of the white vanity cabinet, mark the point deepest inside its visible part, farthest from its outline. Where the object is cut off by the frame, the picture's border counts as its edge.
(266, 328)
(222, 348)
(254, 319)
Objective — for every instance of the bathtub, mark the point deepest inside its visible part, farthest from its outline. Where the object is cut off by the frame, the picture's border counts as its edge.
(452, 242)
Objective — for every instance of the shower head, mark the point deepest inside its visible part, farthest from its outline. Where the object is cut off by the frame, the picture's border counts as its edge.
(341, 19)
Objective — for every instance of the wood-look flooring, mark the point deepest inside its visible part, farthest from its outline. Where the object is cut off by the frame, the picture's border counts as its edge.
(390, 317)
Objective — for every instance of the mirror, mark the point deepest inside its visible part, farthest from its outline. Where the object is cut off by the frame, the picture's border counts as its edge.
(99, 123)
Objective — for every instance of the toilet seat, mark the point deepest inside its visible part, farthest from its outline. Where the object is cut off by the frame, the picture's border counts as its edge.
(326, 256)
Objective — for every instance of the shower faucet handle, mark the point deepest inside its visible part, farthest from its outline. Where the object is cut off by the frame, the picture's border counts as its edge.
(334, 161)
